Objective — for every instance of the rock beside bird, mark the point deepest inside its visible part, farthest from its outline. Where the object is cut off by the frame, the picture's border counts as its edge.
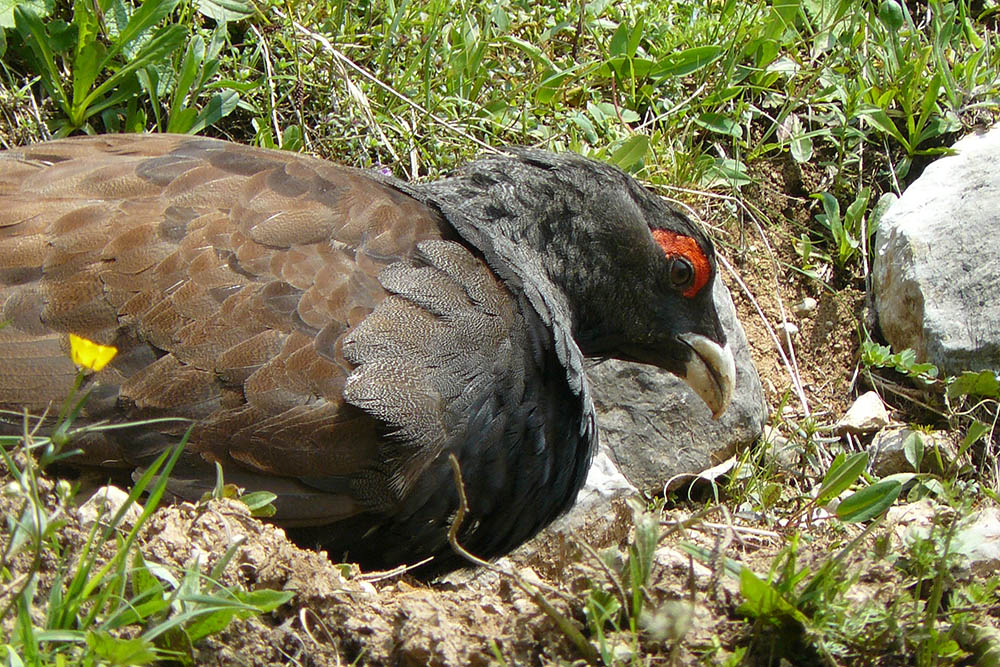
(335, 336)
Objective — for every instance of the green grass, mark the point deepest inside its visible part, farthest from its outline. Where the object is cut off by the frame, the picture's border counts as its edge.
(697, 98)
(103, 604)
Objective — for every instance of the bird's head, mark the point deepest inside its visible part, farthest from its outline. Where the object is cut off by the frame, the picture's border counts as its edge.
(633, 276)
(651, 296)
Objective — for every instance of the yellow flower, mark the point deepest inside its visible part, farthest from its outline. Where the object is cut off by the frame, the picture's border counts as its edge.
(88, 354)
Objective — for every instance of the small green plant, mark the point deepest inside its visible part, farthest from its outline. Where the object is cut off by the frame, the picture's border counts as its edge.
(259, 502)
(116, 53)
(905, 361)
(117, 610)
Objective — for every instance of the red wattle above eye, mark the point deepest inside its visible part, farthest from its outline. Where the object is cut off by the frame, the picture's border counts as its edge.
(678, 245)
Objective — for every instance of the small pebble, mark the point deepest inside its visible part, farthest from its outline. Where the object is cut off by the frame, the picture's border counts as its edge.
(787, 331)
(804, 307)
(866, 415)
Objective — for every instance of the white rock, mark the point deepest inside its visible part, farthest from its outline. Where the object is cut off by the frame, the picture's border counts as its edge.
(679, 562)
(912, 521)
(867, 414)
(937, 260)
(805, 307)
(786, 332)
(980, 542)
(104, 504)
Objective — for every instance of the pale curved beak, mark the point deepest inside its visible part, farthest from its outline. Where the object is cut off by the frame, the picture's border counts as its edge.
(711, 372)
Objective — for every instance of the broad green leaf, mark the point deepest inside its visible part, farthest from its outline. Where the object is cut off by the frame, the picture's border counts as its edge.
(182, 122)
(831, 210)
(631, 152)
(218, 107)
(264, 599)
(635, 36)
(259, 501)
(41, 8)
(913, 450)
(723, 95)
(856, 210)
(619, 41)
(87, 31)
(117, 651)
(581, 121)
(762, 600)
(549, 86)
(223, 11)
(935, 128)
(976, 431)
(86, 71)
(142, 579)
(928, 105)
(125, 92)
(162, 43)
(630, 68)
(687, 61)
(720, 124)
(146, 17)
(984, 383)
(801, 148)
(210, 623)
(843, 472)
(246, 603)
(33, 32)
(881, 120)
(726, 172)
(869, 502)
(141, 608)
(194, 55)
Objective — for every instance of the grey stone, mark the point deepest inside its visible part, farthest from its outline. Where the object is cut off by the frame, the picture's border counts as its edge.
(786, 332)
(866, 414)
(887, 452)
(979, 541)
(104, 504)
(655, 428)
(780, 450)
(937, 262)
(805, 307)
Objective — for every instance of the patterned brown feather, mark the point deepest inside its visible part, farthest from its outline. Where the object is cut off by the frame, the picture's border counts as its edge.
(220, 266)
(334, 335)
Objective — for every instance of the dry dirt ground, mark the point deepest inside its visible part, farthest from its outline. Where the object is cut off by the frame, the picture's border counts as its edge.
(340, 616)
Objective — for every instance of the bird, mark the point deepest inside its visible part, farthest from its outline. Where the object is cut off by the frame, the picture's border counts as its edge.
(342, 338)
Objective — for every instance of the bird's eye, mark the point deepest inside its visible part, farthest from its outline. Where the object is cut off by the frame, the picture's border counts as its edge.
(681, 272)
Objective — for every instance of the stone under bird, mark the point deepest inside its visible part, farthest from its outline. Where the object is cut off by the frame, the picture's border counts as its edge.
(334, 335)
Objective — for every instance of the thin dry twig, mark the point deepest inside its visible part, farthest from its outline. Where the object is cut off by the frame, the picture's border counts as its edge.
(589, 653)
(756, 532)
(381, 575)
(304, 614)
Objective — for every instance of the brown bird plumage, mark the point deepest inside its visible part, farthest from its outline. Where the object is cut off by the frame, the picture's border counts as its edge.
(335, 334)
